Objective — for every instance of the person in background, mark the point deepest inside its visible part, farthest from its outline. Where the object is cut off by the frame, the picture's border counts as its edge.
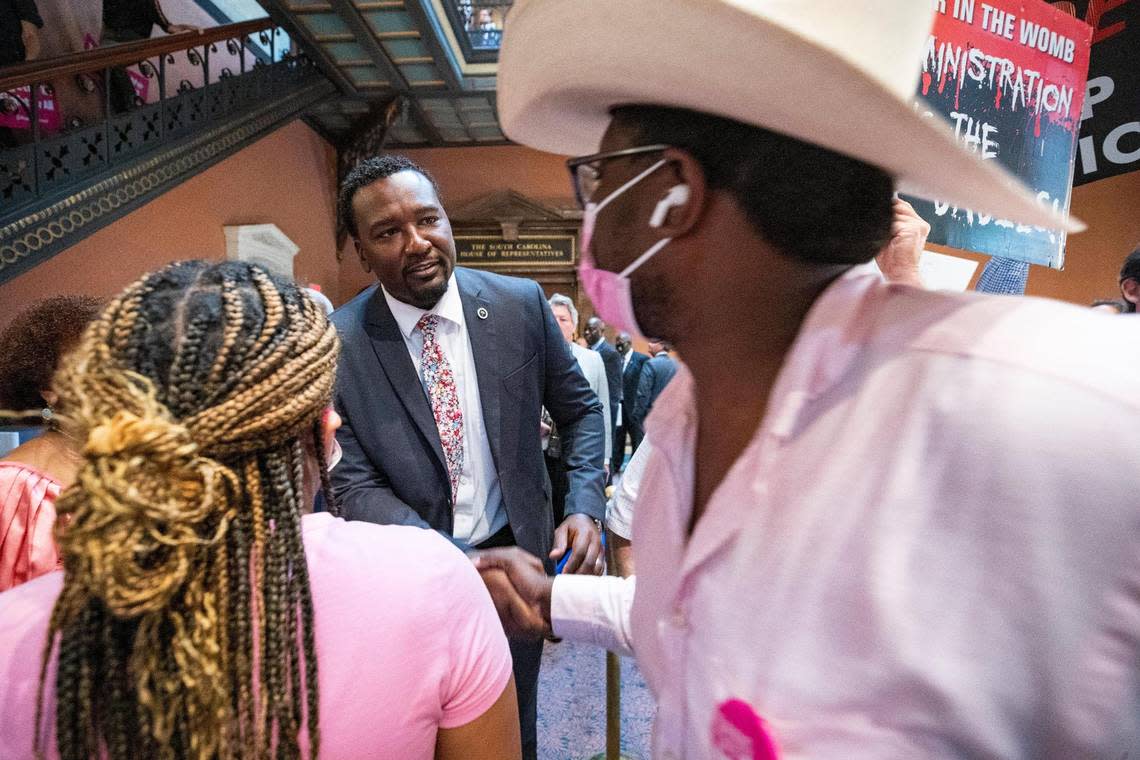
(1130, 282)
(655, 375)
(202, 612)
(466, 12)
(33, 474)
(485, 32)
(589, 362)
(632, 364)
(595, 335)
(130, 21)
(20, 23)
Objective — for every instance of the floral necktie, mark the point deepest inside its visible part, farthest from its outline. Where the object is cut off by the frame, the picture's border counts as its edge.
(444, 396)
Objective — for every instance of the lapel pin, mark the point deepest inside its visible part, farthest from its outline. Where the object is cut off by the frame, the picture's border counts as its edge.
(482, 313)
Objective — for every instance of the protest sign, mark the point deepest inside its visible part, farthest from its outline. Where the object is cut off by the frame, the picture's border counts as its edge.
(16, 108)
(1110, 120)
(1009, 76)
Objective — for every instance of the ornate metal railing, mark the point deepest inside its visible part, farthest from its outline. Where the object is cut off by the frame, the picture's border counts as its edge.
(87, 137)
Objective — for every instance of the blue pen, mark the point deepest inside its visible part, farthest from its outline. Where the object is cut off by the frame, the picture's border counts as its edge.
(562, 563)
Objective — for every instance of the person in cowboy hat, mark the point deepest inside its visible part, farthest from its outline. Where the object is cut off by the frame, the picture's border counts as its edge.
(893, 525)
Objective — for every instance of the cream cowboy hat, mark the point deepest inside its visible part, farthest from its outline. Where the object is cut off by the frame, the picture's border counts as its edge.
(840, 74)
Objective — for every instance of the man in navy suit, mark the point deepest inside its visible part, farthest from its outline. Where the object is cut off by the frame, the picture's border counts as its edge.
(442, 378)
(595, 335)
(632, 364)
(655, 375)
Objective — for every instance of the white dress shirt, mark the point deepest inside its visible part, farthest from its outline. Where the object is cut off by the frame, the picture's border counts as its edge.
(479, 511)
(624, 363)
(594, 369)
(619, 509)
(929, 549)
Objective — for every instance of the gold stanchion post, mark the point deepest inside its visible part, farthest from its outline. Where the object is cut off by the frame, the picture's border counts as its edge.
(613, 685)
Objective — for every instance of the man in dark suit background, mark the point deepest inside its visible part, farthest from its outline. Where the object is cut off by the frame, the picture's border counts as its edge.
(655, 375)
(595, 335)
(632, 364)
(442, 378)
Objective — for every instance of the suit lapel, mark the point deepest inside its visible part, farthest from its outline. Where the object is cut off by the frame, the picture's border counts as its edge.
(486, 347)
(392, 351)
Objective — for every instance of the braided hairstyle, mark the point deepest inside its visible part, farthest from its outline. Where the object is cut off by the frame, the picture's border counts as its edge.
(185, 623)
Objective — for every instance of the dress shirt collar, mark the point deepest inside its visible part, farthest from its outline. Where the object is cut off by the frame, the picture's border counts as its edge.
(449, 307)
(598, 344)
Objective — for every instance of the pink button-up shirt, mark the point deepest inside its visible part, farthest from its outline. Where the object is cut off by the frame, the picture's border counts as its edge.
(930, 548)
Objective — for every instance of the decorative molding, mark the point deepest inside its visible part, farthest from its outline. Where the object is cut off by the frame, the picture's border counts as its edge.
(507, 206)
(45, 232)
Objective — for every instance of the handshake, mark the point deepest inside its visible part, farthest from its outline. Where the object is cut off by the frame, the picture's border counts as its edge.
(519, 585)
(520, 589)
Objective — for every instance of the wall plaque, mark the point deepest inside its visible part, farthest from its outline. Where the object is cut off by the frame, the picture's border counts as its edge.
(527, 250)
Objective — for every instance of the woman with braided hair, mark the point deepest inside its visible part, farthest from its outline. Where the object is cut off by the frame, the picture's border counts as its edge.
(198, 613)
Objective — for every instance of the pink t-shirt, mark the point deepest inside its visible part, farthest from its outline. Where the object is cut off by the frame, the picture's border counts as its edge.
(408, 641)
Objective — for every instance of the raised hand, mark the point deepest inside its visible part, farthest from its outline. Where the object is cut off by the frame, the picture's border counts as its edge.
(899, 259)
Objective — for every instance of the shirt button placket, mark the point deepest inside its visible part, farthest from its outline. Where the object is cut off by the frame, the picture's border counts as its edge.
(673, 631)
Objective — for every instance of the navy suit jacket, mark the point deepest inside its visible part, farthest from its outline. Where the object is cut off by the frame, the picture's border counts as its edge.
(630, 377)
(655, 375)
(611, 359)
(393, 469)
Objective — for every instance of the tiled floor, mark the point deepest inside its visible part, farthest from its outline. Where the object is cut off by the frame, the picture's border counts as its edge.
(572, 705)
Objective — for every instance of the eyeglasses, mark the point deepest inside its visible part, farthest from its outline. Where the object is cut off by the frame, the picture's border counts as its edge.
(586, 171)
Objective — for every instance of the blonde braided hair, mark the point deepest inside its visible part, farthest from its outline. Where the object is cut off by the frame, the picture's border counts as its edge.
(192, 394)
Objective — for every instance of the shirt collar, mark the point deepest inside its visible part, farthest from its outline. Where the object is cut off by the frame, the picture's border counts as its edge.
(449, 307)
(599, 342)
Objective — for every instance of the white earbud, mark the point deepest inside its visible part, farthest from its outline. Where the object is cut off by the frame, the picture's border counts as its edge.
(678, 195)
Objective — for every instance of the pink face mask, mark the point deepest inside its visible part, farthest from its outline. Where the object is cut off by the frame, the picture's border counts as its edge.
(610, 291)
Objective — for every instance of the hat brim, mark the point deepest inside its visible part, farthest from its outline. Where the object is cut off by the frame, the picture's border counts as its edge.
(557, 90)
